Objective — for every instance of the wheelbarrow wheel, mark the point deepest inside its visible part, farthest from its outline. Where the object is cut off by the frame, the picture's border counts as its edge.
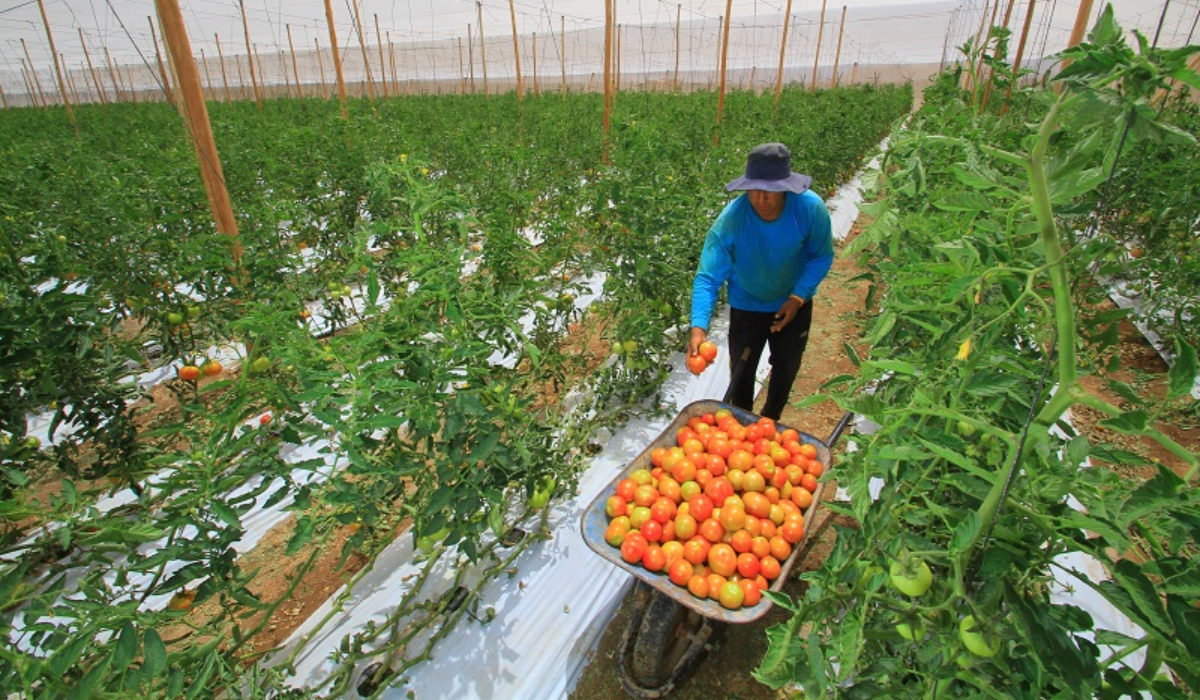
(668, 641)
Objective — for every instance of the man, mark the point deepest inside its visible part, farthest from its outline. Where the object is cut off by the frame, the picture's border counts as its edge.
(773, 246)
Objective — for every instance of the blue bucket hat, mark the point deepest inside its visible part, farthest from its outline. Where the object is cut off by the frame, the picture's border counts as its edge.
(769, 168)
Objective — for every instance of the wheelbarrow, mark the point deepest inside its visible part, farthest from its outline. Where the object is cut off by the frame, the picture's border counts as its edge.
(669, 627)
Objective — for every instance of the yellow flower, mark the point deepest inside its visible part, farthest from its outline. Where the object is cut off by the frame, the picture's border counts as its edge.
(964, 350)
(424, 171)
(403, 157)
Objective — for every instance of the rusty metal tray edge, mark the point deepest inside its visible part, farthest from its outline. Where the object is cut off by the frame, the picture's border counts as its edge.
(594, 522)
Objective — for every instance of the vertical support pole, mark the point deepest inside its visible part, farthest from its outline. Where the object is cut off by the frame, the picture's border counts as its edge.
(617, 70)
(362, 43)
(112, 75)
(337, 61)
(512, 11)
(70, 81)
(608, 60)
(295, 66)
(132, 86)
(256, 59)
(820, 36)
(162, 69)
(1081, 22)
(92, 70)
(3, 97)
(197, 120)
(854, 73)
(971, 78)
(287, 82)
(787, 18)
(462, 70)
(678, 14)
(207, 77)
(723, 68)
(392, 60)
(482, 46)
(837, 56)
(237, 62)
(224, 74)
(1020, 54)
(250, 55)
(33, 98)
(62, 85)
(383, 77)
(720, 31)
(321, 67)
(535, 77)
(562, 55)
(37, 84)
(471, 56)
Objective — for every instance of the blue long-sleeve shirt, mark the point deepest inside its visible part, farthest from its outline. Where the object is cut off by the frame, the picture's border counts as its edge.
(764, 262)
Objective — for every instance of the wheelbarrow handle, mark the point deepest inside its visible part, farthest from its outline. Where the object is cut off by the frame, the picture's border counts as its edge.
(736, 375)
(839, 428)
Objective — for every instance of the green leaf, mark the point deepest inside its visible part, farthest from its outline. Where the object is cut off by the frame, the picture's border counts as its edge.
(87, 685)
(965, 201)
(126, 647)
(1160, 492)
(1183, 372)
(1143, 594)
(154, 655)
(964, 533)
(1187, 623)
(779, 662)
(225, 513)
(984, 384)
(1186, 583)
(305, 528)
(1054, 646)
(1129, 422)
(852, 354)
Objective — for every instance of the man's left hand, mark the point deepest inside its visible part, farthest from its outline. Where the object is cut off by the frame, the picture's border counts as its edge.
(786, 313)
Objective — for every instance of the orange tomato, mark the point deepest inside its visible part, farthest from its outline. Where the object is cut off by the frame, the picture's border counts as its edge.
(696, 364)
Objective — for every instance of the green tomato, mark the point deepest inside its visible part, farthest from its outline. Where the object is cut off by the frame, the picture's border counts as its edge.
(260, 364)
(335, 286)
(33, 442)
(193, 311)
(542, 493)
(62, 239)
(618, 348)
(978, 643)
(174, 318)
(496, 521)
(912, 633)
(869, 573)
(965, 429)
(630, 345)
(913, 579)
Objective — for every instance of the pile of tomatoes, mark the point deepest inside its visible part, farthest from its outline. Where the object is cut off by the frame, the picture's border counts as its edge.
(721, 510)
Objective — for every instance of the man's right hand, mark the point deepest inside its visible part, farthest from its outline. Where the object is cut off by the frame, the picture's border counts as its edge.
(698, 336)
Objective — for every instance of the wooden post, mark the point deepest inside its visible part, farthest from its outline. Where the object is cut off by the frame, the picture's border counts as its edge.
(392, 59)
(535, 79)
(287, 82)
(337, 61)
(207, 76)
(362, 43)
(723, 68)
(720, 31)
(1020, 54)
(29, 90)
(321, 67)
(562, 55)
(132, 86)
(112, 74)
(92, 70)
(608, 60)
(462, 70)
(820, 35)
(1081, 22)
(37, 84)
(196, 113)
(837, 56)
(787, 18)
(678, 13)
(617, 70)
(471, 56)
(3, 97)
(383, 77)
(512, 11)
(250, 55)
(295, 66)
(70, 80)
(237, 62)
(483, 46)
(972, 76)
(62, 85)
(224, 74)
(255, 59)
(166, 79)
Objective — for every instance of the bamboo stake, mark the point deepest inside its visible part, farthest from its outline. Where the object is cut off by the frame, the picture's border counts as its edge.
(3, 97)
(471, 56)
(1020, 54)
(392, 59)
(462, 70)
(166, 80)
(37, 84)
(362, 44)
(337, 61)
(854, 73)
(837, 57)
(382, 63)
(970, 77)
(62, 85)
(254, 59)
(512, 11)
(250, 55)
(133, 93)
(112, 75)
(207, 76)
(483, 46)
(562, 56)
(196, 110)
(678, 13)
(1081, 22)
(535, 76)
(224, 74)
(33, 100)
(617, 71)
(820, 35)
(787, 18)
(321, 67)
(723, 67)
(608, 59)
(287, 82)
(987, 94)
(92, 70)
(70, 80)
(295, 66)
(237, 62)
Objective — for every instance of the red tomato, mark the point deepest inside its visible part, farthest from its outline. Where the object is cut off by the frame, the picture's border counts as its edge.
(715, 465)
(751, 593)
(754, 432)
(708, 350)
(698, 586)
(633, 548)
(748, 565)
(715, 582)
(718, 489)
(808, 450)
(809, 482)
(685, 526)
(662, 510)
(695, 550)
(700, 507)
(614, 506)
(769, 568)
(815, 469)
(680, 572)
(792, 531)
(712, 530)
(768, 427)
(653, 558)
(696, 364)
(625, 489)
(645, 495)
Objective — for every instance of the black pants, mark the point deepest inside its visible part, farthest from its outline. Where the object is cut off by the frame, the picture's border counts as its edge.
(752, 330)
